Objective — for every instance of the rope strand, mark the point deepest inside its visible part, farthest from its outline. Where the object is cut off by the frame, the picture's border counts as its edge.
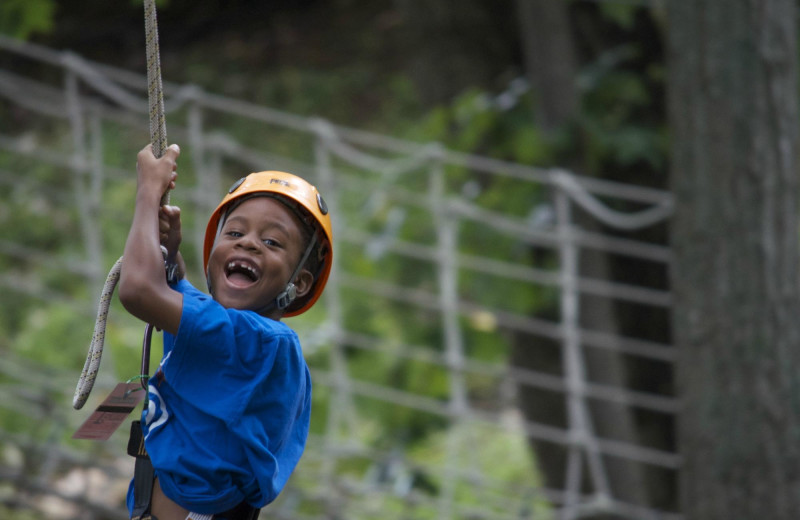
(158, 137)
(92, 364)
(155, 88)
(155, 93)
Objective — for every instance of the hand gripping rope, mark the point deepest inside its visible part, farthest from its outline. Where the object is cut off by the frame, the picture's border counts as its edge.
(158, 137)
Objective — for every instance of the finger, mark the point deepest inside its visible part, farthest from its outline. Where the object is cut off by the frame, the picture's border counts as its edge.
(172, 211)
(175, 220)
(147, 150)
(173, 151)
(144, 155)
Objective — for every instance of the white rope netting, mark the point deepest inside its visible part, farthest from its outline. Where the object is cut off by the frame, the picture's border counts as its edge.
(399, 202)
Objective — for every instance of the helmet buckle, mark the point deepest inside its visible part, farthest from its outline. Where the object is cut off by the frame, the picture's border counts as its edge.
(285, 298)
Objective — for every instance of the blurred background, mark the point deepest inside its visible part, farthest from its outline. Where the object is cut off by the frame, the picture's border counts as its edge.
(494, 342)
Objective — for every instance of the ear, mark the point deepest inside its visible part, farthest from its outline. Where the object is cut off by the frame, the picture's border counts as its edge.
(304, 281)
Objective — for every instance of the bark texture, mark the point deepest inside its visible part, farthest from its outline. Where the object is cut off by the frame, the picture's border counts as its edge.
(734, 118)
(550, 60)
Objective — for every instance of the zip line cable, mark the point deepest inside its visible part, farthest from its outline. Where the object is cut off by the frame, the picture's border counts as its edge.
(158, 138)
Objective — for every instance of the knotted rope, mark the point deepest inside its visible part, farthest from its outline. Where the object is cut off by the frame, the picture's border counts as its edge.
(158, 137)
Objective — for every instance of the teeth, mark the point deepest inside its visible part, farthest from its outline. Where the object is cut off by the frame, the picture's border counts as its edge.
(232, 265)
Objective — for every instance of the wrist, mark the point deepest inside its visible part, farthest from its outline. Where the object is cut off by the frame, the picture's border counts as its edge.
(148, 194)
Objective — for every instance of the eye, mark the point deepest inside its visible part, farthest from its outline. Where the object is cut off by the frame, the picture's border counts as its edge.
(234, 233)
(271, 242)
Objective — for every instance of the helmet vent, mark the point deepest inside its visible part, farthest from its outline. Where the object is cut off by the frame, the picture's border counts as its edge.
(236, 185)
(323, 208)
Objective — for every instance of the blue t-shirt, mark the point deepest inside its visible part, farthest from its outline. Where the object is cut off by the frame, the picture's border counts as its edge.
(229, 407)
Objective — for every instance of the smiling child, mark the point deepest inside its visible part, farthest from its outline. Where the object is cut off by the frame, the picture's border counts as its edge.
(229, 406)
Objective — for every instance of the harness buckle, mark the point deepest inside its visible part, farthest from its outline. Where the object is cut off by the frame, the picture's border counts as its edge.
(136, 446)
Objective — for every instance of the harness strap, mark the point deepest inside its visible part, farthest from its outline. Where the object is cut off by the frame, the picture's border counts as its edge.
(143, 474)
(243, 511)
(143, 478)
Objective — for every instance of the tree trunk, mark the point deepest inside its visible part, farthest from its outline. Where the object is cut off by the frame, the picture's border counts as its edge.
(550, 61)
(734, 117)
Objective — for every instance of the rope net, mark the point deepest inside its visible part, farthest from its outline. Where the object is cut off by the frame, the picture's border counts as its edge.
(449, 315)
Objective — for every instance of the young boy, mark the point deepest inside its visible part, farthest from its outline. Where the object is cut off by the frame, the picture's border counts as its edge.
(229, 406)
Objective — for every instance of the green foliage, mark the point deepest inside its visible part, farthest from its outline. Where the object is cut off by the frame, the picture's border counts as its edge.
(35, 218)
(50, 336)
(617, 99)
(451, 458)
(15, 513)
(22, 18)
(620, 13)
(472, 123)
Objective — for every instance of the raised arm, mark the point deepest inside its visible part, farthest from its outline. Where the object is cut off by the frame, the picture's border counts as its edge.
(143, 288)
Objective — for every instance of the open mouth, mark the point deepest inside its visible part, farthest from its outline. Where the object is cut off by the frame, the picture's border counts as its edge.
(240, 273)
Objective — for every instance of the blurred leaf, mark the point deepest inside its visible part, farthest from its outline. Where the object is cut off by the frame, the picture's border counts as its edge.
(620, 13)
(21, 18)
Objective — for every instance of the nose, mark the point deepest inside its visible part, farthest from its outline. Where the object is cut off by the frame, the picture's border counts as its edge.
(248, 241)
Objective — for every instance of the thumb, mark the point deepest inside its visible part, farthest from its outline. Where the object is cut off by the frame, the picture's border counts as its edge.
(174, 150)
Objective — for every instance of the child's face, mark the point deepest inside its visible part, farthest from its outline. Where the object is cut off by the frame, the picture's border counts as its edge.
(255, 254)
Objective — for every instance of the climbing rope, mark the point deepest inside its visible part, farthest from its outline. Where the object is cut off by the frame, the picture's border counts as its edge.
(158, 137)
(155, 89)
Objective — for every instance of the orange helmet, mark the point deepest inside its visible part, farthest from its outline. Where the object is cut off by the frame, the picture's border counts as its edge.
(290, 188)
